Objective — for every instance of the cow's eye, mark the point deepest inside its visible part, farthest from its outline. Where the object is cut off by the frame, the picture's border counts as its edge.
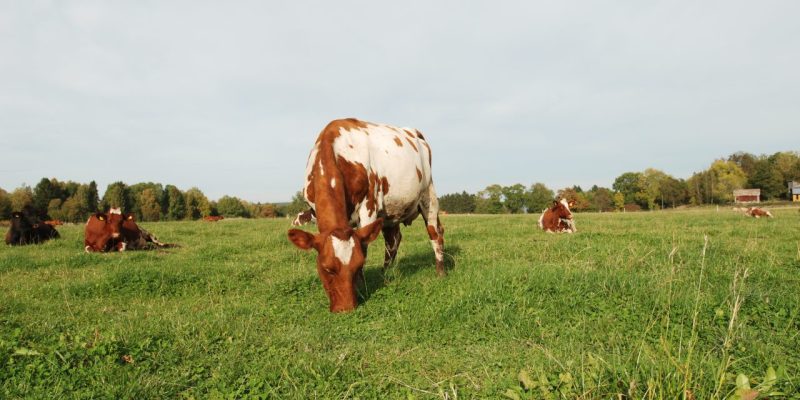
(329, 270)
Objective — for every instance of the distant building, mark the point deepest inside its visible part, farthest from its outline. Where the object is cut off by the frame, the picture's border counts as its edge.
(747, 195)
(794, 191)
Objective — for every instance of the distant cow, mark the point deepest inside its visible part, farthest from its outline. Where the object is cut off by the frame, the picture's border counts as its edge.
(213, 218)
(304, 218)
(558, 218)
(54, 222)
(103, 232)
(27, 229)
(362, 178)
(756, 212)
(135, 237)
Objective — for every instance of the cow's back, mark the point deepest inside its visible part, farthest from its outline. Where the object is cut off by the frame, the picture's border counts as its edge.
(385, 170)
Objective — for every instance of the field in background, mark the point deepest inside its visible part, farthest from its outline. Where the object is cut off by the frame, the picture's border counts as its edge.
(638, 304)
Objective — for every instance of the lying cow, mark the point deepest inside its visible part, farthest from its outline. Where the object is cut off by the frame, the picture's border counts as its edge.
(756, 212)
(213, 218)
(305, 217)
(103, 232)
(136, 238)
(54, 222)
(26, 229)
(558, 218)
(114, 231)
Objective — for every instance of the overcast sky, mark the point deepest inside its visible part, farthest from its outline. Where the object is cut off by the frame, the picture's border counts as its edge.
(230, 96)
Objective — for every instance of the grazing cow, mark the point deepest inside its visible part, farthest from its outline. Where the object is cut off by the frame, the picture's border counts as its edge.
(362, 178)
(304, 218)
(135, 237)
(213, 218)
(26, 229)
(103, 232)
(558, 218)
(756, 212)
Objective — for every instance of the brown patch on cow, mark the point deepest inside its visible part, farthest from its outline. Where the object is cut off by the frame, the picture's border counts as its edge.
(419, 174)
(419, 135)
(350, 145)
(432, 232)
(384, 185)
(411, 135)
(372, 203)
(398, 141)
(356, 184)
(412, 144)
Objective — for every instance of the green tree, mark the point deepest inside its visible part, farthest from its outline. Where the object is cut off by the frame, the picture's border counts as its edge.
(5, 205)
(619, 201)
(650, 182)
(54, 209)
(673, 192)
(297, 205)
(197, 204)
(176, 204)
(149, 206)
(21, 198)
(601, 199)
(628, 185)
(490, 200)
(514, 198)
(117, 195)
(228, 206)
(768, 179)
(539, 197)
(457, 203)
(92, 198)
(727, 176)
(45, 190)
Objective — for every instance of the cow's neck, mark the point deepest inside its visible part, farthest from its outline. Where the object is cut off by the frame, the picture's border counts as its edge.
(329, 186)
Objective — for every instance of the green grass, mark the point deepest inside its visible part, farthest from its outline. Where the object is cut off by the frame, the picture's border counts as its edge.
(627, 306)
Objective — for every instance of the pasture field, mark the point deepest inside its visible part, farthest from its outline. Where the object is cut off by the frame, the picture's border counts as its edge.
(635, 305)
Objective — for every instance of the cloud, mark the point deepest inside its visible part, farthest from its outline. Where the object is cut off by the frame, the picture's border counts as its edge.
(230, 97)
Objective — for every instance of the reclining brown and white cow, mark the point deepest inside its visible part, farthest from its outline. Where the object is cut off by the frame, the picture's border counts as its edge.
(756, 212)
(114, 231)
(558, 218)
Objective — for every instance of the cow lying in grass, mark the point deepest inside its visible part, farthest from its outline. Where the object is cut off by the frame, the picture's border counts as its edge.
(756, 212)
(305, 217)
(558, 218)
(27, 229)
(113, 231)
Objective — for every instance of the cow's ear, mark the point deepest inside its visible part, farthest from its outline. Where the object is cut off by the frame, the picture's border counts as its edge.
(370, 232)
(302, 239)
(555, 202)
(129, 217)
(16, 215)
(100, 216)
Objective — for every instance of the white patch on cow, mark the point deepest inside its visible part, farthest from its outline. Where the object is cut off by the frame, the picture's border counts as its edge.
(333, 182)
(437, 249)
(321, 169)
(117, 211)
(541, 218)
(343, 249)
(381, 157)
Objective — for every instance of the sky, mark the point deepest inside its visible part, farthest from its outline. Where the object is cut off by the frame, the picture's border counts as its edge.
(229, 97)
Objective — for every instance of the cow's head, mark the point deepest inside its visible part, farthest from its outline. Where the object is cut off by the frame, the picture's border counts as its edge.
(20, 222)
(340, 259)
(561, 209)
(111, 224)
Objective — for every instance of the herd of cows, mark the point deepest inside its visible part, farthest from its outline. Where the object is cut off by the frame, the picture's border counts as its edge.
(361, 179)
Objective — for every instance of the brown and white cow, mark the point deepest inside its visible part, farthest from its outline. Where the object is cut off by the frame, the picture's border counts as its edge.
(362, 178)
(213, 218)
(304, 217)
(136, 238)
(103, 232)
(558, 218)
(756, 212)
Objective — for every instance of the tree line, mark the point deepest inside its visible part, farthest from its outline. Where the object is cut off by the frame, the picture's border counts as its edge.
(651, 189)
(73, 202)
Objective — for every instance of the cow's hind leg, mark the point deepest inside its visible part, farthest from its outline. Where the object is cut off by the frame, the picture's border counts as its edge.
(429, 208)
(391, 237)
